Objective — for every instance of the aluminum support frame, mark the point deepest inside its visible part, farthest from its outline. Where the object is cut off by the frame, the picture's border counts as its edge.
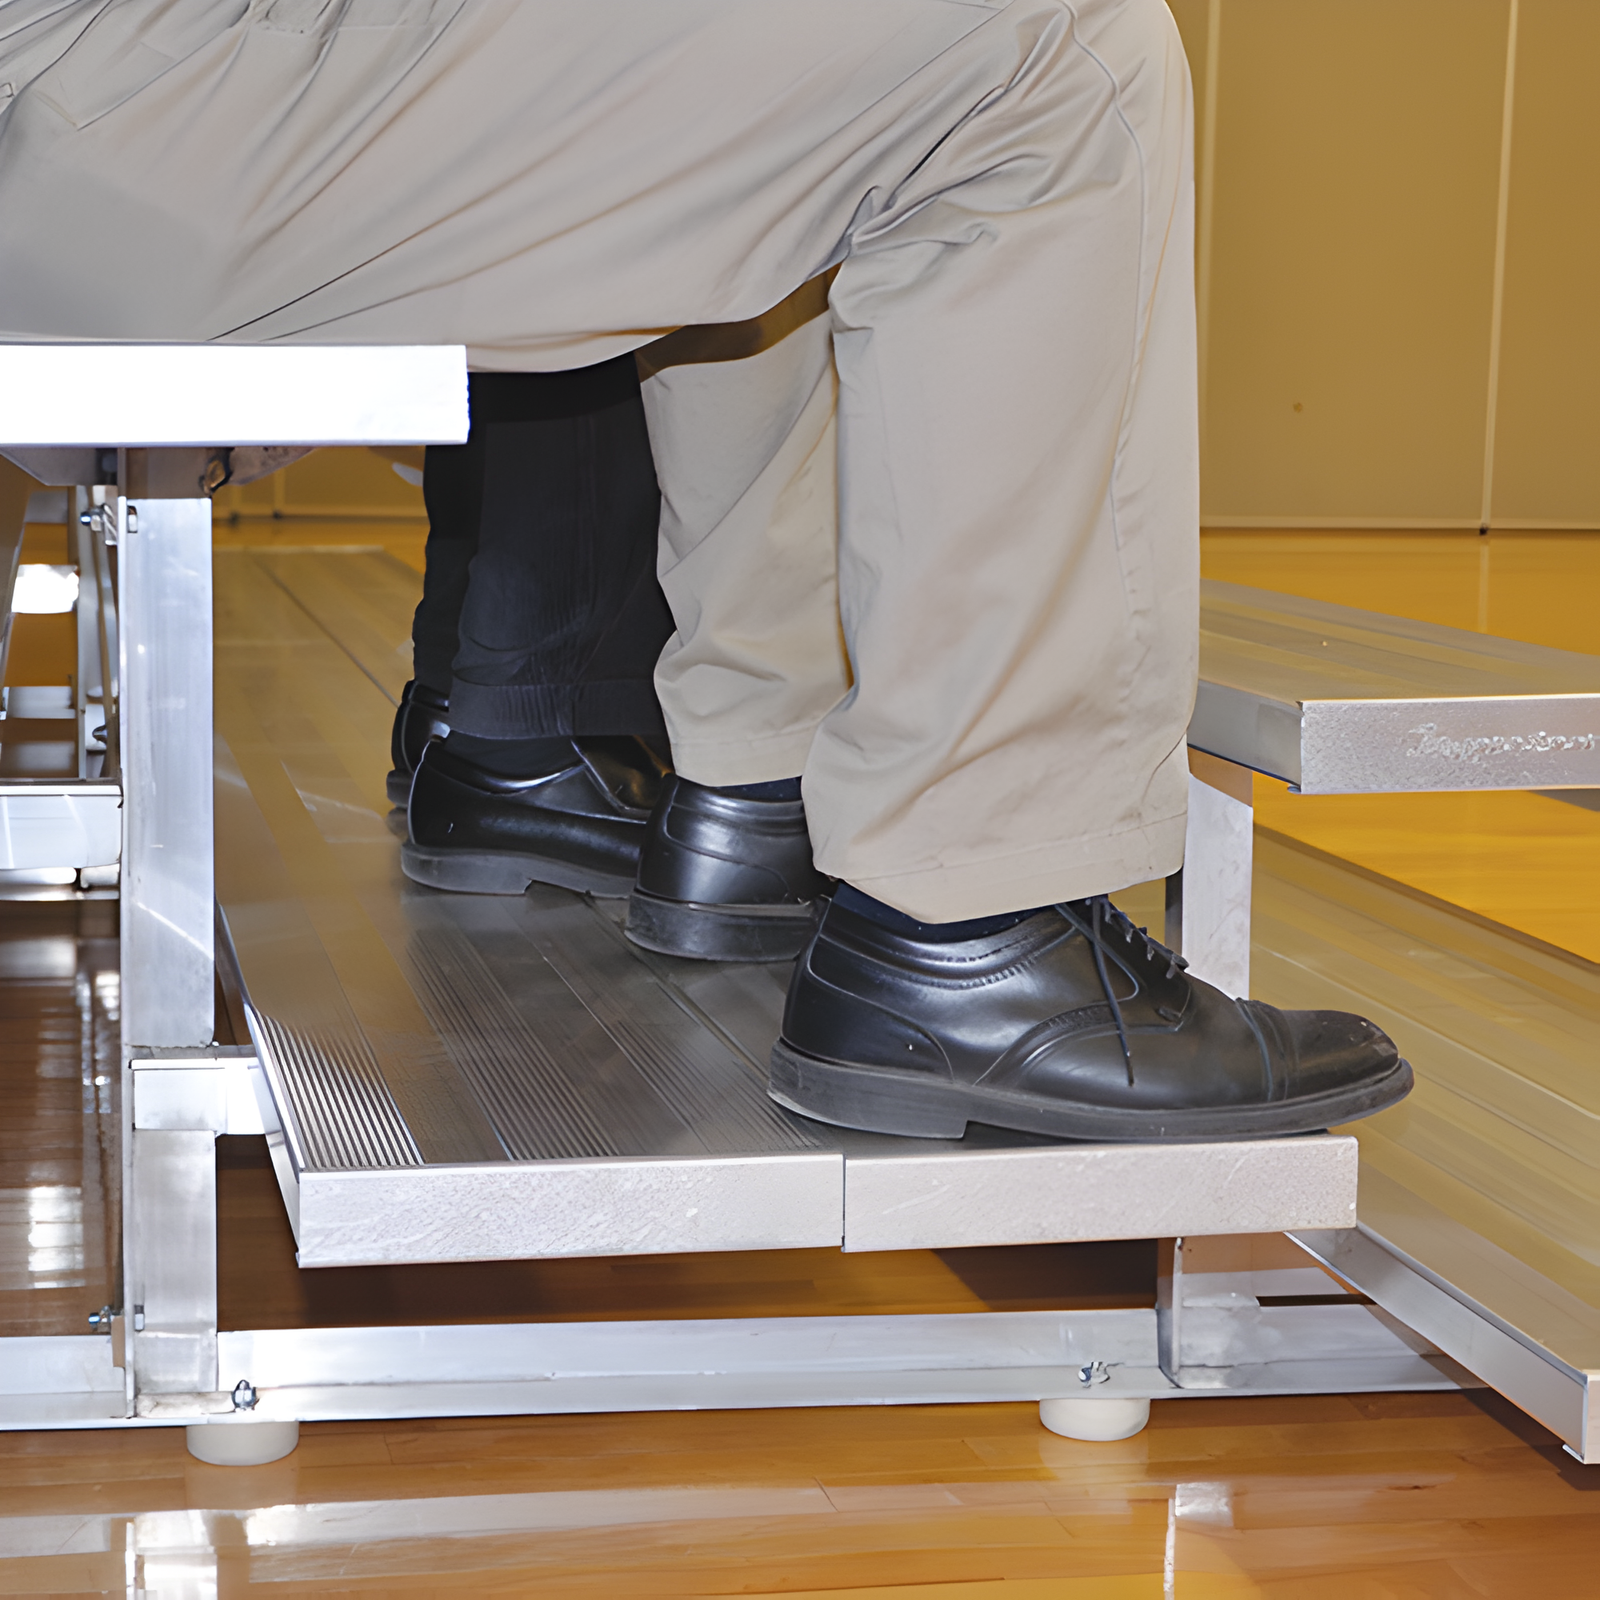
(1245, 1315)
(1565, 1398)
(1208, 900)
(168, 877)
(172, 1261)
(1338, 1345)
(180, 1102)
(96, 692)
(167, 940)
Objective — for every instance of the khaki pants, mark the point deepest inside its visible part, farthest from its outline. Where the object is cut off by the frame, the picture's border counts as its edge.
(936, 549)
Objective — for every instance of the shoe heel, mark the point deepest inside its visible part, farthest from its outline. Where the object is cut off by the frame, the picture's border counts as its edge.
(462, 872)
(874, 1102)
(718, 933)
(492, 872)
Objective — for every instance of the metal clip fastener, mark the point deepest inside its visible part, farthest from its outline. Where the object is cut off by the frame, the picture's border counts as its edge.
(244, 1395)
(100, 1320)
(138, 1319)
(1093, 1372)
(103, 521)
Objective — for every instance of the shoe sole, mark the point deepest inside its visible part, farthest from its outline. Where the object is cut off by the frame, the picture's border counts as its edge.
(503, 872)
(701, 932)
(876, 1101)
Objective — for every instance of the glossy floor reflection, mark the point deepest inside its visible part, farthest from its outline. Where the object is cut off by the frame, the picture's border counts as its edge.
(59, 1172)
(1307, 1499)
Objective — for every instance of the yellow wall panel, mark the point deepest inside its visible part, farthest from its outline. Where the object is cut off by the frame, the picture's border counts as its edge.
(1352, 260)
(1193, 19)
(1547, 433)
(335, 479)
(351, 482)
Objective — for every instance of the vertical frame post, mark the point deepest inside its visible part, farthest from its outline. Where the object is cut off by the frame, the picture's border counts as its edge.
(172, 1265)
(168, 918)
(167, 927)
(1208, 903)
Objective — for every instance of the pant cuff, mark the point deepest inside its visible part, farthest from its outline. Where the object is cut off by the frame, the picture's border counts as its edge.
(543, 710)
(1043, 875)
(758, 760)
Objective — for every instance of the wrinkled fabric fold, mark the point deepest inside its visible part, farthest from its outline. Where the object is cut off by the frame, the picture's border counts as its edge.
(985, 450)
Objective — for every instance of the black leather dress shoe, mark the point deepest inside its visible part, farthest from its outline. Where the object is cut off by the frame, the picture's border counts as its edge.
(723, 878)
(421, 715)
(1073, 1024)
(580, 828)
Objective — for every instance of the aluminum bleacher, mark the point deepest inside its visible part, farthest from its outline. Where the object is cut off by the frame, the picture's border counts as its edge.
(450, 1078)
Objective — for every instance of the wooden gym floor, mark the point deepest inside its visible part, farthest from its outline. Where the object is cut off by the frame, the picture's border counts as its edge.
(1366, 1496)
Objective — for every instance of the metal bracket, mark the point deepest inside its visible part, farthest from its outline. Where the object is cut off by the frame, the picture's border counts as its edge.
(181, 1100)
(1243, 1313)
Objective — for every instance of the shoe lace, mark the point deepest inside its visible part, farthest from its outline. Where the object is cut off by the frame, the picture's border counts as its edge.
(1104, 917)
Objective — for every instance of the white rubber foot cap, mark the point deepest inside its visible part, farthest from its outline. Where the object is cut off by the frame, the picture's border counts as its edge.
(1111, 1417)
(242, 1444)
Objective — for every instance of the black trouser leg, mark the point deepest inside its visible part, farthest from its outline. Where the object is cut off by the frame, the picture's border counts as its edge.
(541, 615)
(453, 493)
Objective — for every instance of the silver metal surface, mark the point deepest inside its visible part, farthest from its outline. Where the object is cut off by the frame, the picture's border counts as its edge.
(57, 395)
(95, 517)
(1208, 902)
(168, 953)
(213, 1094)
(61, 1381)
(50, 823)
(350, 1120)
(596, 1207)
(1548, 1388)
(732, 1362)
(59, 1364)
(52, 465)
(1232, 1329)
(914, 1199)
(1341, 701)
(90, 700)
(852, 1345)
(171, 1268)
(462, 1077)
(505, 1369)
(14, 506)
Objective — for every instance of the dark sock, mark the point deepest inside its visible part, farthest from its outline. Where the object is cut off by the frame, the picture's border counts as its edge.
(512, 758)
(863, 905)
(776, 789)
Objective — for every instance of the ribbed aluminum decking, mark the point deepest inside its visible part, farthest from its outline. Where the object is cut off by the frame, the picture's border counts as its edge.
(467, 1077)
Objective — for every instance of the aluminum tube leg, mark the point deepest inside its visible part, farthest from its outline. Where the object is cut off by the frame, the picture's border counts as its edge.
(168, 952)
(1208, 903)
(172, 1265)
(168, 941)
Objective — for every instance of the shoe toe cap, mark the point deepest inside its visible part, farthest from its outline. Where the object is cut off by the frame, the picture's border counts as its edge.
(1320, 1050)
